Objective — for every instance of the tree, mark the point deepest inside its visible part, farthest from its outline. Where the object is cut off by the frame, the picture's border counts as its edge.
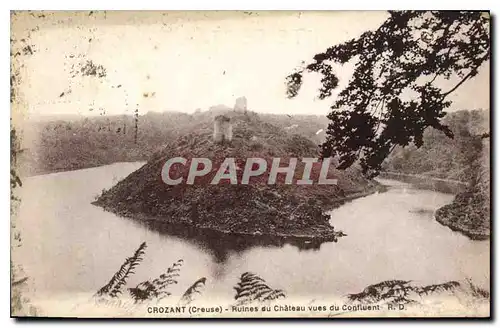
(393, 95)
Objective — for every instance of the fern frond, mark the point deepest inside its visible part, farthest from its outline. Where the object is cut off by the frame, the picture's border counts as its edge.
(397, 291)
(275, 294)
(156, 289)
(252, 288)
(426, 290)
(477, 291)
(114, 286)
(194, 289)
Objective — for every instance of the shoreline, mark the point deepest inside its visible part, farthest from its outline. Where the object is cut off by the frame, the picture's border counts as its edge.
(36, 173)
(423, 182)
(311, 236)
(442, 214)
(454, 225)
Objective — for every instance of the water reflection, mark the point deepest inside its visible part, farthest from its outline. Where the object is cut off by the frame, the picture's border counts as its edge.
(221, 245)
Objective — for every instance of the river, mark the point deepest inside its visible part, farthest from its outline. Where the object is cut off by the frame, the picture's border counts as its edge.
(70, 246)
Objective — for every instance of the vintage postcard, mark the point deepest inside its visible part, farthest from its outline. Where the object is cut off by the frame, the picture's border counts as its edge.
(246, 164)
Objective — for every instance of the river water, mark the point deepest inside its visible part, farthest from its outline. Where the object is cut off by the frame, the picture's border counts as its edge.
(70, 246)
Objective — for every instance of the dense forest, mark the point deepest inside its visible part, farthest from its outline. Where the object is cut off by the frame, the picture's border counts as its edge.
(443, 157)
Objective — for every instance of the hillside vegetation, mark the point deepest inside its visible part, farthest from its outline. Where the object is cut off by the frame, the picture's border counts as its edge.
(257, 209)
(69, 143)
(466, 158)
(443, 157)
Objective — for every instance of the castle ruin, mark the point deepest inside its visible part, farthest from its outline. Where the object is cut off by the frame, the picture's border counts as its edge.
(223, 129)
(240, 105)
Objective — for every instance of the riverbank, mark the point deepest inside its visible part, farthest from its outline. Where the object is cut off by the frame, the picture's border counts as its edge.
(263, 225)
(466, 215)
(424, 182)
(84, 166)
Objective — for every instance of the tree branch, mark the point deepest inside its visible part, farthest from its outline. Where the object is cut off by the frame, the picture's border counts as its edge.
(473, 71)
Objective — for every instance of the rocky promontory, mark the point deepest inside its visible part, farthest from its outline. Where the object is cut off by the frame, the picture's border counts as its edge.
(469, 213)
(466, 214)
(254, 209)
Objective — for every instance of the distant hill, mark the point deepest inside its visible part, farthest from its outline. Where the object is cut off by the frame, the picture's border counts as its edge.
(311, 126)
(56, 144)
(441, 156)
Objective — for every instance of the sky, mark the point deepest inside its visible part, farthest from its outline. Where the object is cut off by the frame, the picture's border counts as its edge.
(186, 61)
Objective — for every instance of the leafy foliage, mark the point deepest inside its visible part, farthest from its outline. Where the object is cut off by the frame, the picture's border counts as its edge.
(252, 288)
(403, 59)
(114, 287)
(157, 288)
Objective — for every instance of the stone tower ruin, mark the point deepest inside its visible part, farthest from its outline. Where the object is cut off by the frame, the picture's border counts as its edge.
(240, 105)
(223, 129)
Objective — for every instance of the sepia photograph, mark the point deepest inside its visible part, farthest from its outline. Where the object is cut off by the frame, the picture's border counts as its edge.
(250, 164)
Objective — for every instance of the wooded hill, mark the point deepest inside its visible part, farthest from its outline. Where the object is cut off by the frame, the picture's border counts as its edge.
(69, 143)
(257, 208)
(466, 157)
(441, 156)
